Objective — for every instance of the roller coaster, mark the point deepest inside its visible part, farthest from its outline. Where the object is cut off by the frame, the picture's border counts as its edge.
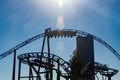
(46, 63)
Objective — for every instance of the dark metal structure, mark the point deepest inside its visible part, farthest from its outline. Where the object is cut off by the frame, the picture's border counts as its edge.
(45, 63)
(57, 33)
(37, 60)
(85, 55)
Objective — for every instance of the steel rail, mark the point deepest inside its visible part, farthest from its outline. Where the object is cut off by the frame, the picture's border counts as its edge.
(37, 55)
(79, 32)
(5, 54)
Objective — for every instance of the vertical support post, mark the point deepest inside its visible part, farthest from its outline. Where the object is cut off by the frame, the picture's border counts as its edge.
(48, 48)
(47, 75)
(42, 52)
(43, 43)
(67, 79)
(49, 59)
(29, 72)
(109, 77)
(58, 72)
(19, 69)
(39, 77)
(14, 65)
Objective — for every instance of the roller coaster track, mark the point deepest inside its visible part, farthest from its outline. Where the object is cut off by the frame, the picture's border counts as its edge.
(65, 65)
(78, 32)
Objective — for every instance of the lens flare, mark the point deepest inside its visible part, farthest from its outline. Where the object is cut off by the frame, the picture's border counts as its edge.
(60, 22)
(60, 19)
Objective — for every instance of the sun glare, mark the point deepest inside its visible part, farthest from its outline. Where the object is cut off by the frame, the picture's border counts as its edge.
(60, 3)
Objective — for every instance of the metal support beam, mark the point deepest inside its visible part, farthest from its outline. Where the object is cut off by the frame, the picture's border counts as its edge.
(42, 52)
(47, 75)
(109, 77)
(49, 59)
(30, 73)
(43, 43)
(19, 69)
(58, 69)
(14, 65)
(39, 78)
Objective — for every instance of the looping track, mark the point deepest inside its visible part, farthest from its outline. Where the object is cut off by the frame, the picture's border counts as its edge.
(78, 32)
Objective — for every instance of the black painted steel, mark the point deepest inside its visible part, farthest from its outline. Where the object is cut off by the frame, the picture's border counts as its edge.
(65, 65)
(14, 65)
(5, 54)
(65, 33)
(39, 58)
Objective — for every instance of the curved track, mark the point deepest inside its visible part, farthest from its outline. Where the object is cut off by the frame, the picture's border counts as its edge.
(78, 32)
(38, 55)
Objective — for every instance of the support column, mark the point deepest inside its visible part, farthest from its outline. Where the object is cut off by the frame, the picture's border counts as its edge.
(41, 52)
(49, 59)
(58, 72)
(19, 69)
(14, 65)
(30, 64)
(109, 77)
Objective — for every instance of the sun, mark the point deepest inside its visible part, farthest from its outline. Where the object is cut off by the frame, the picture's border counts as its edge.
(60, 3)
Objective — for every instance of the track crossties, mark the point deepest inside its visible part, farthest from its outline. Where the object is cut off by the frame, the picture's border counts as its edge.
(59, 33)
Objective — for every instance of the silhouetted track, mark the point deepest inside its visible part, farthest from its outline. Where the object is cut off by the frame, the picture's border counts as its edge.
(65, 32)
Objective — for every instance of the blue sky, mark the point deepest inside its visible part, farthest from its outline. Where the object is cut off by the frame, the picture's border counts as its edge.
(22, 19)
